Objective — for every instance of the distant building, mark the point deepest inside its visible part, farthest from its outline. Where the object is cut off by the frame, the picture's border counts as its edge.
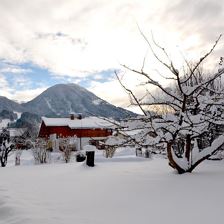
(83, 128)
(16, 132)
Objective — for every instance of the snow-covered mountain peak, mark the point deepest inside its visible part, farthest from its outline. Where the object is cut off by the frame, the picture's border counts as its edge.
(62, 99)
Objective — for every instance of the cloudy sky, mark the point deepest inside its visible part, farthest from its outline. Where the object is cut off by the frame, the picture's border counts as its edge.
(45, 42)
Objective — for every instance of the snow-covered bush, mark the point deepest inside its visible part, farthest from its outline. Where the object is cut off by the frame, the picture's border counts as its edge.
(40, 152)
(18, 153)
(67, 145)
(22, 142)
(80, 157)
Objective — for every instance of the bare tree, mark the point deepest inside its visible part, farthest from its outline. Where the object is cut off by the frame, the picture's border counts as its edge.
(21, 142)
(195, 105)
(6, 147)
(67, 145)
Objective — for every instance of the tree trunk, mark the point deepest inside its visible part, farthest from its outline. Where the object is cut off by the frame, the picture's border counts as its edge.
(3, 162)
(188, 148)
(191, 166)
(172, 162)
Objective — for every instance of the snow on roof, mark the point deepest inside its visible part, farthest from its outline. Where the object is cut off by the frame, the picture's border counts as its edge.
(87, 122)
(16, 131)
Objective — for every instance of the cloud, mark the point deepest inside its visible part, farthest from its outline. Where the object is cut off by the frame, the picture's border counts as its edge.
(19, 89)
(12, 69)
(23, 95)
(26, 95)
(72, 38)
(75, 40)
(200, 18)
(112, 91)
(3, 84)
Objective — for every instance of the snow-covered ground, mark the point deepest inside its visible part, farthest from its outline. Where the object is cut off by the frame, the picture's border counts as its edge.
(122, 190)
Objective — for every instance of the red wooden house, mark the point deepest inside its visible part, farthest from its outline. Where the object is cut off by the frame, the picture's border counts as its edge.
(83, 128)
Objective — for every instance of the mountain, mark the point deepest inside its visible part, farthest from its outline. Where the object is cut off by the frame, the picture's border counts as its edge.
(9, 105)
(63, 99)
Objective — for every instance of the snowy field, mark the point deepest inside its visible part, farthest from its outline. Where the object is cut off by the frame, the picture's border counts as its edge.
(122, 190)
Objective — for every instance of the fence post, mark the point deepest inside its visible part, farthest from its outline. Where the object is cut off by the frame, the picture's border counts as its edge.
(90, 155)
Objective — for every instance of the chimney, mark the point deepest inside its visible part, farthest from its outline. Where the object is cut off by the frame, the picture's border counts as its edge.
(72, 116)
(79, 116)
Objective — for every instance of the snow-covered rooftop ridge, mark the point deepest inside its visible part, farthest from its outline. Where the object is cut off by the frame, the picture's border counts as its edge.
(87, 122)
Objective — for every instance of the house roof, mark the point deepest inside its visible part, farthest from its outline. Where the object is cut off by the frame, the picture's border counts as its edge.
(87, 122)
(14, 132)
